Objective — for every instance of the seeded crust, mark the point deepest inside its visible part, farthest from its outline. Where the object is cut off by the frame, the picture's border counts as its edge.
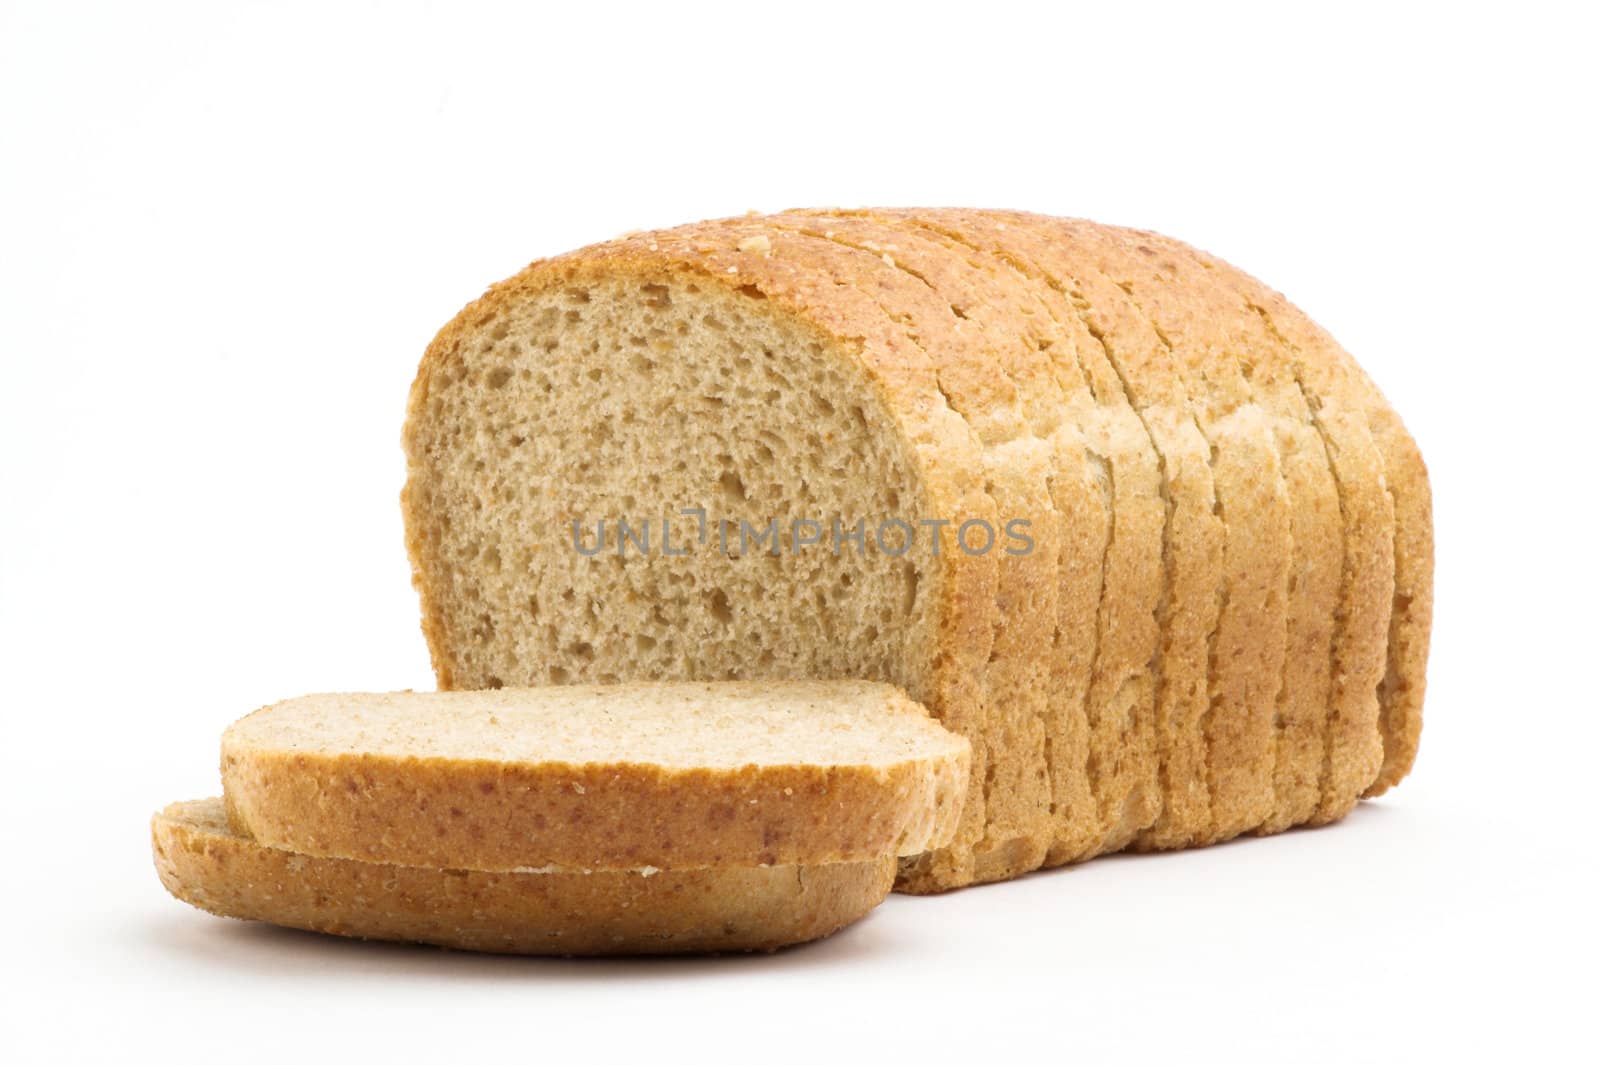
(945, 673)
(1021, 463)
(1124, 761)
(469, 788)
(1316, 535)
(1338, 395)
(1247, 655)
(203, 862)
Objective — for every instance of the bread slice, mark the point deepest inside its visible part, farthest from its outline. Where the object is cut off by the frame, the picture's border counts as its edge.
(673, 776)
(1252, 508)
(1403, 684)
(1172, 397)
(1340, 397)
(1405, 680)
(1316, 538)
(1121, 702)
(204, 862)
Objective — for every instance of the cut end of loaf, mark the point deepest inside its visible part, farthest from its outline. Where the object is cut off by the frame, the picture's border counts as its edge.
(562, 407)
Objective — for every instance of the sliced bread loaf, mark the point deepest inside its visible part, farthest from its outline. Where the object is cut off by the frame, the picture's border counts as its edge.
(204, 862)
(791, 375)
(672, 776)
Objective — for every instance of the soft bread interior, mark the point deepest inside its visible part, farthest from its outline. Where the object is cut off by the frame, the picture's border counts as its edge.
(635, 399)
(685, 726)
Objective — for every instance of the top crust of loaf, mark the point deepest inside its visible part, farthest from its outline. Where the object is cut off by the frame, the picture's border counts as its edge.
(674, 776)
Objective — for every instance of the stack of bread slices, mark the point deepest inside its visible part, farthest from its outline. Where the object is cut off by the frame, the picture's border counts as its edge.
(1112, 509)
(627, 819)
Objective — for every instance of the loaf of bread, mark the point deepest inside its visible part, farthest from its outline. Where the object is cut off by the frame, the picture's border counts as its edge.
(1113, 510)
(204, 862)
(580, 778)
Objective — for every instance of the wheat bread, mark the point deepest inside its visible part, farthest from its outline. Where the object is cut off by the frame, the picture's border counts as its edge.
(204, 862)
(975, 326)
(783, 366)
(1315, 532)
(717, 339)
(1404, 680)
(625, 776)
(872, 294)
(1123, 701)
(1337, 395)
(1012, 791)
(1246, 654)
(1031, 347)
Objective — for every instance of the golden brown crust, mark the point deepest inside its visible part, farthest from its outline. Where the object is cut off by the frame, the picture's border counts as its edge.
(1080, 481)
(1121, 706)
(1246, 651)
(1411, 623)
(1335, 391)
(202, 862)
(978, 326)
(1315, 531)
(354, 801)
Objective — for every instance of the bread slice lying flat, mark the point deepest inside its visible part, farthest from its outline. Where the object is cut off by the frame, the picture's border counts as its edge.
(670, 776)
(206, 864)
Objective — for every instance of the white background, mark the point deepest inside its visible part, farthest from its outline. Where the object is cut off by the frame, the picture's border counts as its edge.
(228, 231)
